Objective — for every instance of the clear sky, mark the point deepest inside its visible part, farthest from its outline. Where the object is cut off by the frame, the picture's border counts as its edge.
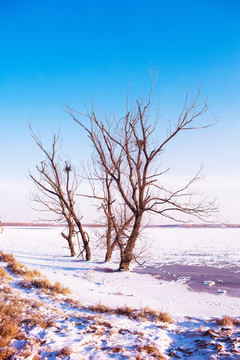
(56, 52)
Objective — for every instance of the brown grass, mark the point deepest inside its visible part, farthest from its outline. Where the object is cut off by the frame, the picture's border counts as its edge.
(44, 285)
(133, 314)
(41, 321)
(31, 274)
(6, 289)
(100, 308)
(9, 327)
(151, 349)
(73, 303)
(66, 351)
(16, 267)
(32, 278)
(7, 353)
(4, 275)
(228, 321)
(58, 288)
(6, 257)
(126, 311)
(16, 314)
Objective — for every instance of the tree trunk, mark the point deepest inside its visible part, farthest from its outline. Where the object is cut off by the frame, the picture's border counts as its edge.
(108, 254)
(71, 247)
(85, 241)
(126, 255)
(70, 242)
(109, 251)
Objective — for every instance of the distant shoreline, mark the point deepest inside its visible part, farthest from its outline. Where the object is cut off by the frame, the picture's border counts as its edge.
(191, 226)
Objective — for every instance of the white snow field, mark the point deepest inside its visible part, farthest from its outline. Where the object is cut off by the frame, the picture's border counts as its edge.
(96, 282)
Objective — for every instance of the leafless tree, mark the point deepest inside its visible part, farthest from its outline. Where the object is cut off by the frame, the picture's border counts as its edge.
(57, 184)
(116, 218)
(127, 150)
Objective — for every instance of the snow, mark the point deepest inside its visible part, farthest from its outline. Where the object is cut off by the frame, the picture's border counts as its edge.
(96, 282)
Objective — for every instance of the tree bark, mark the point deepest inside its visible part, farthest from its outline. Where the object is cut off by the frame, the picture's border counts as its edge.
(109, 251)
(85, 240)
(70, 242)
(127, 254)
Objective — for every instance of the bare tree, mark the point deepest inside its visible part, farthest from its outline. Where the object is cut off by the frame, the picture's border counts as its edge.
(127, 151)
(116, 219)
(57, 184)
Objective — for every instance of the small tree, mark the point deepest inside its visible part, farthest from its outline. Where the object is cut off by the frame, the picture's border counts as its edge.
(127, 152)
(57, 191)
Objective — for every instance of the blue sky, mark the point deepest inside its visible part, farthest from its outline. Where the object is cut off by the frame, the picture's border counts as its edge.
(56, 52)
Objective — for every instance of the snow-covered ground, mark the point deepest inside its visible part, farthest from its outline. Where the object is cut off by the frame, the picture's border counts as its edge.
(194, 334)
(95, 281)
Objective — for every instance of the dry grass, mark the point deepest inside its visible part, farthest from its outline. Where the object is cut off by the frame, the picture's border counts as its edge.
(126, 311)
(10, 316)
(228, 321)
(73, 303)
(7, 353)
(6, 289)
(16, 267)
(133, 314)
(44, 285)
(4, 276)
(6, 257)
(66, 351)
(158, 316)
(32, 278)
(41, 321)
(100, 308)
(58, 288)
(31, 274)
(17, 314)
(150, 349)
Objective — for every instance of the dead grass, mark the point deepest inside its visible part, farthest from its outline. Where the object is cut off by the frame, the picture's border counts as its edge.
(133, 314)
(6, 289)
(17, 314)
(100, 308)
(8, 329)
(32, 278)
(73, 303)
(6, 257)
(228, 321)
(41, 321)
(150, 349)
(7, 353)
(44, 285)
(5, 276)
(32, 274)
(126, 311)
(10, 315)
(16, 267)
(66, 351)
(58, 288)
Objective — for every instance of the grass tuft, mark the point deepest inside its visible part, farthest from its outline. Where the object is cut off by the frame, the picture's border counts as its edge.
(6, 257)
(150, 349)
(66, 351)
(32, 278)
(4, 275)
(228, 321)
(16, 267)
(133, 314)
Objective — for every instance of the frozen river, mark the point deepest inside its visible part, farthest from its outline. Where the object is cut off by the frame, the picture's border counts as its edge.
(205, 247)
